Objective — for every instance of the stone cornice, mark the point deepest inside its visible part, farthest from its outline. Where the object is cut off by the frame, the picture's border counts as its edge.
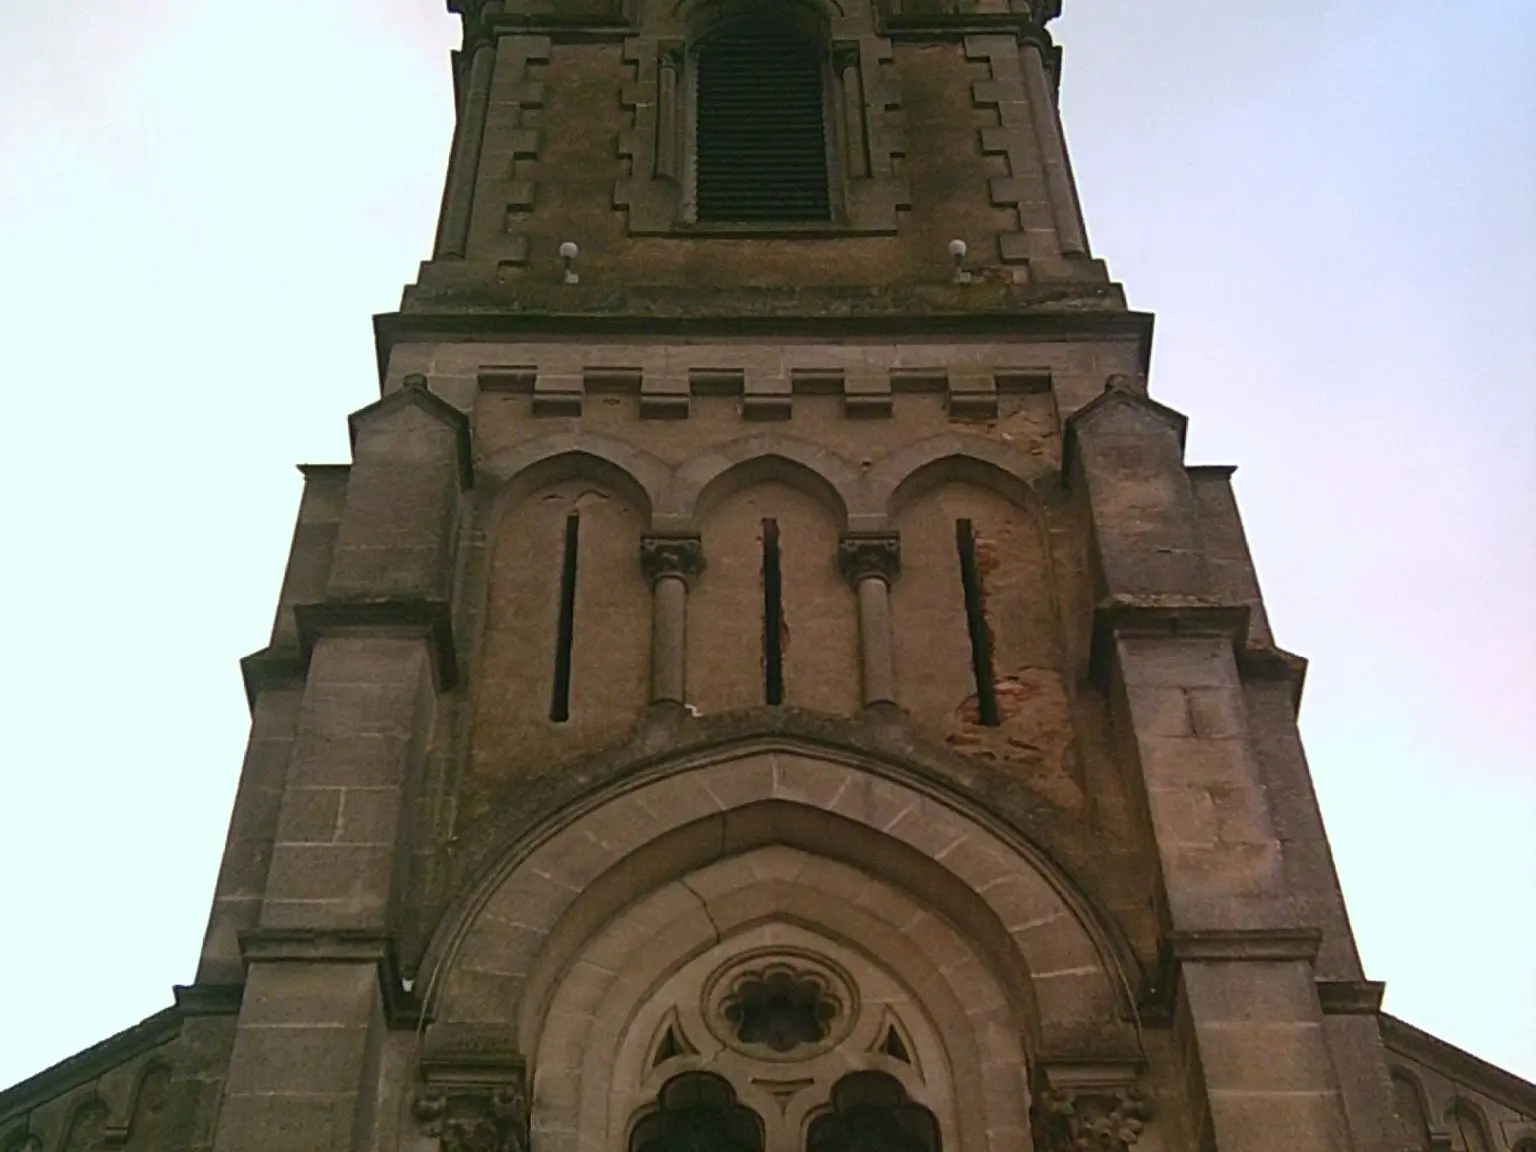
(83, 1067)
(209, 999)
(1026, 18)
(1238, 946)
(1419, 1047)
(1274, 664)
(429, 619)
(1350, 997)
(271, 668)
(313, 946)
(495, 323)
(1163, 616)
(402, 1010)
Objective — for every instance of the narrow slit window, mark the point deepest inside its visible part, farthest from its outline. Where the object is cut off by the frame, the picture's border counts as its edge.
(773, 616)
(560, 696)
(976, 623)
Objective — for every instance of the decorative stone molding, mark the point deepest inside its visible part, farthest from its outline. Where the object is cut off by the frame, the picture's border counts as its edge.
(652, 144)
(1244, 945)
(671, 555)
(499, 184)
(781, 1005)
(1012, 137)
(861, 556)
(1096, 1119)
(928, 16)
(429, 619)
(540, 15)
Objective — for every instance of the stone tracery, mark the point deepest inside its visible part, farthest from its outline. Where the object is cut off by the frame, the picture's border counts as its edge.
(780, 1006)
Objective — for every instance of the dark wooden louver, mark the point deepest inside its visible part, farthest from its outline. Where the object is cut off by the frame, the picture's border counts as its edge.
(762, 146)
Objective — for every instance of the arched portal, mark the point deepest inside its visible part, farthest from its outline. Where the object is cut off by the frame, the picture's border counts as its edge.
(781, 919)
(781, 972)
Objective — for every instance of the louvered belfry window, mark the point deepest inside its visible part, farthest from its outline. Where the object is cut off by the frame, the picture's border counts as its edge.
(761, 135)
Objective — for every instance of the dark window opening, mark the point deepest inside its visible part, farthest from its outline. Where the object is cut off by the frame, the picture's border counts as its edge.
(976, 624)
(560, 697)
(871, 1112)
(761, 141)
(698, 1112)
(773, 616)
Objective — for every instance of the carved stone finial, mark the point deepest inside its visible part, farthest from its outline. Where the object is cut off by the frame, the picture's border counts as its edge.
(1096, 1120)
(863, 556)
(671, 556)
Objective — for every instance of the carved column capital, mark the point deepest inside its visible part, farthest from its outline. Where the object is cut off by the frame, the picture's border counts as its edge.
(1097, 1119)
(489, 1118)
(865, 555)
(663, 555)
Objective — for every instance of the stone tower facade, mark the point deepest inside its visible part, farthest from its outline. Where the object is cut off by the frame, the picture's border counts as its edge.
(768, 679)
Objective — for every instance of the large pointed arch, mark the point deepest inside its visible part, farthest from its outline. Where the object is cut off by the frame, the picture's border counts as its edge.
(490, 961)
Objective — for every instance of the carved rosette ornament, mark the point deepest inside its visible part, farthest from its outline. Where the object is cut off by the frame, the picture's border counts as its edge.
(493, 1119)
(681, 556)
(863, 557)
(1095, 1120)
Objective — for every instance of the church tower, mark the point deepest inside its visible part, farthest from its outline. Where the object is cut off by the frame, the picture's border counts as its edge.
(768, 679)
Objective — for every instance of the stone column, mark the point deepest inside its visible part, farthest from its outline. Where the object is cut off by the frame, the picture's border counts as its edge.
(1053, 155)
(670, 561)
(870, 562)
(669, 72)
(856, 147)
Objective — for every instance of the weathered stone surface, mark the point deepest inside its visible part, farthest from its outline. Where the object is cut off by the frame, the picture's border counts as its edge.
(1030, 814)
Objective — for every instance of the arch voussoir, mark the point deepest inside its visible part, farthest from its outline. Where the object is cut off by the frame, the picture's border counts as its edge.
(984, 890)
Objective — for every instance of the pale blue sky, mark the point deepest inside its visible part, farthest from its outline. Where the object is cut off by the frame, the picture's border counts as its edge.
(1330, 204)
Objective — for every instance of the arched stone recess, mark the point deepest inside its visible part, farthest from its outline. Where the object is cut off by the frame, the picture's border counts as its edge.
(988, 677)
(565, 517)
(768, 539)
(1411, 1108)
(656, 972)
(835, 847)
(511, 473)
(909, 473)
(1468, 1126)
(710, 478)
